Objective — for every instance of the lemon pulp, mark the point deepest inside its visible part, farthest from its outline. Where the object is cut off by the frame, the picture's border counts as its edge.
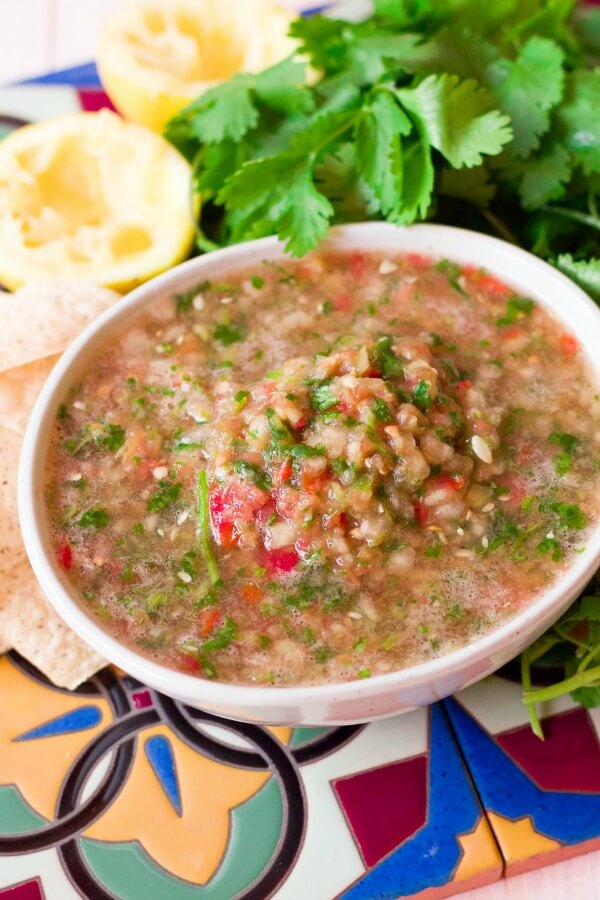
(91, 197)
(158, 55)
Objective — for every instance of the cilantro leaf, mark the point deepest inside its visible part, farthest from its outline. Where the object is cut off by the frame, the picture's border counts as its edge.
(252, 472)
(404, 12)
(378, 148)
(372, 56)
(297, 210)
(322, 39)
(321, 397)
(224, 112)
(229, 111)
(228, 333)
(386, 360)
(578, 118)
(544, 177)
(338, 178)
(467, 184)
(569, 515)
(458, 119)
(515, 308)
(567, 442)
(166, 495)
(422, 396)
(283, 87)
(585, 272)
(527, 89)
(93, 518)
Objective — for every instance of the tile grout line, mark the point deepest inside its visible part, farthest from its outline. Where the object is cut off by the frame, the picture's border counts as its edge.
(474, 785)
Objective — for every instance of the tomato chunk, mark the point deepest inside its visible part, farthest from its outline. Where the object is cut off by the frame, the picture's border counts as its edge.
(283, 473)
(65, 555)
(421, 514)
(454, 482)
(251, 593)
(189, 664)
(279, 560)
(568, 345)
(208, 619)
(358, 266)
(237, 502)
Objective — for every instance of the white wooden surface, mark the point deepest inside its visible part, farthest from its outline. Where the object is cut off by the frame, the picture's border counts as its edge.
(38, 36)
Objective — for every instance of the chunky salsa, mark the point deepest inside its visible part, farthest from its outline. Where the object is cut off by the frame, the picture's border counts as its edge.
(325, 470)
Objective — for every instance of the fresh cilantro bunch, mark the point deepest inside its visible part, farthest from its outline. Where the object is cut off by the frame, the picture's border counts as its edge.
(483, 115)
(357, 135)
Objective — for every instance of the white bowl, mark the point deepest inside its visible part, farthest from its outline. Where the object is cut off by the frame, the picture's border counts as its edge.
(330, 704)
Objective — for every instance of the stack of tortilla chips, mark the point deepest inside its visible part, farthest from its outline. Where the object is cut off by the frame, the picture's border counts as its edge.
(37, 323)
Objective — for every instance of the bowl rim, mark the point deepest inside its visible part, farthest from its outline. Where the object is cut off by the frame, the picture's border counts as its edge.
(55, 586)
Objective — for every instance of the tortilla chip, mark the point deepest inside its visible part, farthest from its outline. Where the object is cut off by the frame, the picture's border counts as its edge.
(27, 621)
(41, 320)
(36, 323)
(19, 389)
(29, 624)
(11, 543)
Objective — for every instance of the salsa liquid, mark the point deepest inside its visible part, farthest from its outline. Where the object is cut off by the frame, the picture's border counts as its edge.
(324, 470)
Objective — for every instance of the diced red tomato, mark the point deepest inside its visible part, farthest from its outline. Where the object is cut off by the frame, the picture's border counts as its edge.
(420, 512)
(347, 407)
(418, 260)
(279, 560)
(312, 484)
(65, 555)
(464, 385)
(358, 266)
(283, 473)
(189, 663)
(335, 520)
(489, 283)
(251, 593)
(208, 619)
(238, 501)
(568, 345)
(515, 331)
(301, 423)
(453, 482)
(343, 303)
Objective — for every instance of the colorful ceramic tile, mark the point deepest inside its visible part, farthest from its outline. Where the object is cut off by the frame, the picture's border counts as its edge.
(116, 791)
(542, 798)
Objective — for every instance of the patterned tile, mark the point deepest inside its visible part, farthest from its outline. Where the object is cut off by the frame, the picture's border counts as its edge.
(542, 799)
(117, 788)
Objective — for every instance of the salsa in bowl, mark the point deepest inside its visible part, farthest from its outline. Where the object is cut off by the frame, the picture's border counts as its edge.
(322, 490)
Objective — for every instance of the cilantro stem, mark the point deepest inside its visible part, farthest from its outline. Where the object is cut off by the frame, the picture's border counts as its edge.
(532, 712)
(574, 214)
(499, 226)
(204, 529)
(587, 659)
(569, 639)
(581, 679)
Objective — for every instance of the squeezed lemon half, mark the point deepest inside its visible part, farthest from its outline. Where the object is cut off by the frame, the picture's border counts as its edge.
(158, 55)
(91, 197)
